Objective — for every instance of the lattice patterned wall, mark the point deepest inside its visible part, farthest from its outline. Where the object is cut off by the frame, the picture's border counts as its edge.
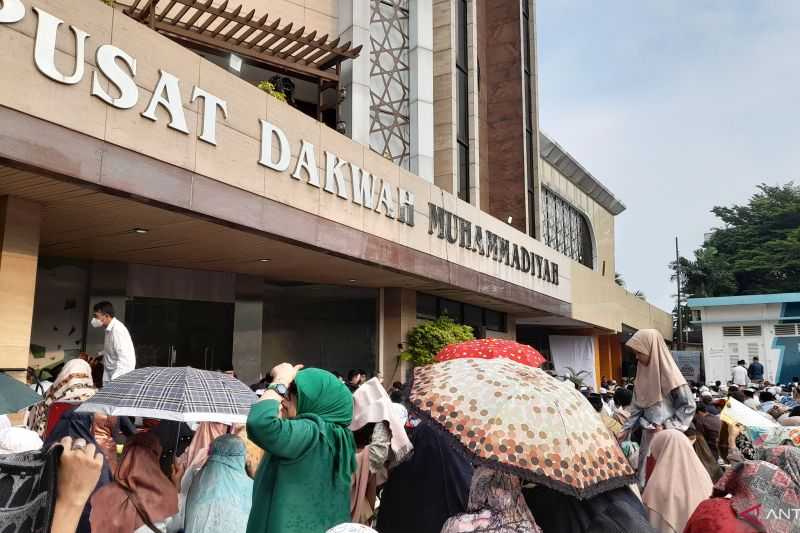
(566, 229)
(390, 129)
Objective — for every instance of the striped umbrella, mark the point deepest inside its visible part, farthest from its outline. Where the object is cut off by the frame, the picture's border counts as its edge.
(491, 349)
(183, 394)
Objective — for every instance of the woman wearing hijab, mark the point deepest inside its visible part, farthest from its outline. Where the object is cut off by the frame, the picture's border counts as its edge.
(787, 458)
(496, 505)
(221, 494)
(661, 397)
(428, 488)
(79, 426)
(762, 498)
(142, 498)
(678, 483)
(303, 482)
(614, 511)
(74, 383)
(387, 446)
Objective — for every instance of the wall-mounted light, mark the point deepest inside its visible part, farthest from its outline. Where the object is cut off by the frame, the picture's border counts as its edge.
(265, 260)
(235, 62)
(140, 231)
(510, 220)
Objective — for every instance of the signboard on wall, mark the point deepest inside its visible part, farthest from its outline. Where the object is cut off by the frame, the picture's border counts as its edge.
(689, 364)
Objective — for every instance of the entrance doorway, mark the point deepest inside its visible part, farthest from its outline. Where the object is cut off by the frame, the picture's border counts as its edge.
(181, 333)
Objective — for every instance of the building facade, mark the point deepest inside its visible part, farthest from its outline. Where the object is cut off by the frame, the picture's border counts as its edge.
(742, 327)
(291, 180)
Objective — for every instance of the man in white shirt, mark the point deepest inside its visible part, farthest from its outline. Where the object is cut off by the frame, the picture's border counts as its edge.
(118, 353)
(740, 374)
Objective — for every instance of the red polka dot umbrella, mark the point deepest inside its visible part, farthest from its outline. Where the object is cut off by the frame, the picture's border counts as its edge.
(492, 349)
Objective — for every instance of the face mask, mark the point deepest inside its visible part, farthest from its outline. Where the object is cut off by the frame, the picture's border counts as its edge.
(95, 322)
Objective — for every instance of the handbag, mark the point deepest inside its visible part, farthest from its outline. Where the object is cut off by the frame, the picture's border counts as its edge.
(27, 490)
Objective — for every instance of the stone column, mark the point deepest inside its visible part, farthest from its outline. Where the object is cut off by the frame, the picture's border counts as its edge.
(354, 17)
(20, 224)
(421, 87)
(397, 315)
(247, 327)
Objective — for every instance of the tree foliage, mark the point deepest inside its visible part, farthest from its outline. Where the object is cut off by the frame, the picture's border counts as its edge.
(756, 252)
(425, 340)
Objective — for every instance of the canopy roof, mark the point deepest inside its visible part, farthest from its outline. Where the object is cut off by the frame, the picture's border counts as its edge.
(262, 39)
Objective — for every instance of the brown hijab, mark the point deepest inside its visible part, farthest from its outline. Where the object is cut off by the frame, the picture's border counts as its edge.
(656, 372)
(140, 489)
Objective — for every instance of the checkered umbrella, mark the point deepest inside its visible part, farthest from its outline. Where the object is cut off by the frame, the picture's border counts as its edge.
(184, 394)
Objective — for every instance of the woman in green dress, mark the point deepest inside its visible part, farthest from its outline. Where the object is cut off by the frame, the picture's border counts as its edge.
(303, 482)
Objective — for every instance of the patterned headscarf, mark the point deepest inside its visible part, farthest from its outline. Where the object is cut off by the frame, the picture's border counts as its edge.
(787, 458)
(760, 492)
(74, 383)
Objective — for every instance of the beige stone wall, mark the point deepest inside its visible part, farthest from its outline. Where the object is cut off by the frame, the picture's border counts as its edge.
(445, 156)
(234, 159)
(604, 303)
(601, 220)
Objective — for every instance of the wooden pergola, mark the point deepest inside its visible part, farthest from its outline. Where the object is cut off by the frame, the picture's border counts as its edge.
(260, 39)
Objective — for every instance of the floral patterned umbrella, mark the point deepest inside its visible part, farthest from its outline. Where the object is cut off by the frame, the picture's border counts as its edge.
(491, 348)
(519, 419)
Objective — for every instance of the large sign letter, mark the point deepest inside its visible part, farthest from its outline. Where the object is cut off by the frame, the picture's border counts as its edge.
(210, 105)
(44, 53)
(12, 11)
(128, 91)
(268, 131)
(307, 159)
(172, 102)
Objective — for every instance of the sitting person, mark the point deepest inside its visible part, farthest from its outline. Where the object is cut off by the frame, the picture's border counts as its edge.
(73, 384)
(678, 482)
(767, 400)
(622, 400)
(496, 505)
(751, 484)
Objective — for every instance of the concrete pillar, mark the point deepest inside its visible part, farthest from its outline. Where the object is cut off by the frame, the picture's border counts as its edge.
(420, 55)
(247, 327)
(354, 17)
(20, 224)
(397, 314)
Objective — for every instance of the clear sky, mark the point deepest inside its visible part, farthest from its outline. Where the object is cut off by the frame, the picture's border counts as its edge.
(676, 106)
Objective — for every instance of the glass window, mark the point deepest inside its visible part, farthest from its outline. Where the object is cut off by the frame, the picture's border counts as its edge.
(463, 172)
(452, 309)
(495, 320)
(567, 230)
(426, 306)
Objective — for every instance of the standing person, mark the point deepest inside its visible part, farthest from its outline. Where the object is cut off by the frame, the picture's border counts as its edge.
(221, 494)
(661, 397)
(428, 488)
(740, 373)
(303, 482)
(353, 379)
(756, 371)
(119, 356)
(73, 383)
(709, 426)
(142, 498)
(678, 484)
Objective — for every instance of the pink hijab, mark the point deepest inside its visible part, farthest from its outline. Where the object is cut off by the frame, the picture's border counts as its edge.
(196, 454)
(656, 372)
(679, 481)
(372, 405)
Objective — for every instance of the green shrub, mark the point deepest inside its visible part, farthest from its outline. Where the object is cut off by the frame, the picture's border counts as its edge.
(425, 340)
(270, 89)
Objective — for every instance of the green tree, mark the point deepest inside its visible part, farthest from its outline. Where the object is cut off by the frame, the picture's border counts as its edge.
(756, 252)
(425, 340)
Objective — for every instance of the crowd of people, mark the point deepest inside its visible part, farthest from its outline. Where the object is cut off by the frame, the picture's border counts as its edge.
(321, 452)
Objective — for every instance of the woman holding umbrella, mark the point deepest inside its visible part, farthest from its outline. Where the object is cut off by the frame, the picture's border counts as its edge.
(661, 397)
